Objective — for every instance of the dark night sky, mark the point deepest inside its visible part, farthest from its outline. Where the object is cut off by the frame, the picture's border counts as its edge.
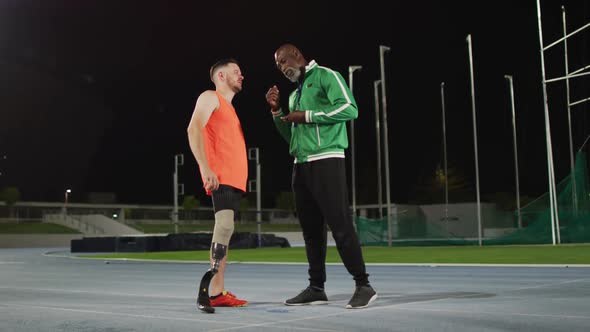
(96, 95)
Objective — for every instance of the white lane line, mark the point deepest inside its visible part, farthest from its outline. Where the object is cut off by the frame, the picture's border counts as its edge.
(344, 312)
(90, 257)
(216, 321)
(310, 329)
(74, 291)
(397, 306)
(284, 322)
(549, 285)
(12, 262)
(265, 304)
(471, 313)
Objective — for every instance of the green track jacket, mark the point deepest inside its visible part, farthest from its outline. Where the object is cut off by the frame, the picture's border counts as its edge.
(328, 103)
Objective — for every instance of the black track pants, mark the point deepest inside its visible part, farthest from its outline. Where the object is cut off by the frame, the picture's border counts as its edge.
(321, 199)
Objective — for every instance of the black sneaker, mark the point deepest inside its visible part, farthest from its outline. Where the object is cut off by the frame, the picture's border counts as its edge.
(308, 296)
(363, 296)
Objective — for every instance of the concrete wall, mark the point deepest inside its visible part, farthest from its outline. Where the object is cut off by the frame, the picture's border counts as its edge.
(37, 240)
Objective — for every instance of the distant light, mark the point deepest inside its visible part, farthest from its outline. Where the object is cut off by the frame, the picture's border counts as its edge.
(115, 215)
(69, 191)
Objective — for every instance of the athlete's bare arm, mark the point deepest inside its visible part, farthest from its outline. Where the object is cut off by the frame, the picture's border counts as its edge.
(206, 104)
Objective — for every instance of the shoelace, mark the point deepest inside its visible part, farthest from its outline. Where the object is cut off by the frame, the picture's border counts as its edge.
(230, 294)
(357, 290)
(307, 290)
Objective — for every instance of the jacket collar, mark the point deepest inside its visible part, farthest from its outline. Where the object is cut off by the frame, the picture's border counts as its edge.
(311, 65)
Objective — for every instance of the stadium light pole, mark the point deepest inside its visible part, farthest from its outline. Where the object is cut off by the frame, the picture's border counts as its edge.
(444, 132)
(470, 48)
(67, 193)
(378, 141)
(550, 169)
(66, 196)
(351, 70)
(569, 116)
(511, 86)
(382, 50)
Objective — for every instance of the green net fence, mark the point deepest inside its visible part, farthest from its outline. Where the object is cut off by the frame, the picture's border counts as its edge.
(457, 224)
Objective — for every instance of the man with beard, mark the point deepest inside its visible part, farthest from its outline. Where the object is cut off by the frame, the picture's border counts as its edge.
(315, 128)
(217, 142)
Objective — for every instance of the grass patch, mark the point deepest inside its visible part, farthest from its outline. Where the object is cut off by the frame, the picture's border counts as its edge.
(534, 254)
(35, 228)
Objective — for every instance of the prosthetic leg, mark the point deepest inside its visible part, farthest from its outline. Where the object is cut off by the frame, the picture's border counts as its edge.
(218, 251)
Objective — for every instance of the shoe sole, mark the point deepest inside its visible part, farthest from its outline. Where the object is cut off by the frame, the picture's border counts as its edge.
(307, 303)
(230, 306)
(371, 300)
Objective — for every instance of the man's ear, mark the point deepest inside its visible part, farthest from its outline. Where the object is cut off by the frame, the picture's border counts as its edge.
(221, 75)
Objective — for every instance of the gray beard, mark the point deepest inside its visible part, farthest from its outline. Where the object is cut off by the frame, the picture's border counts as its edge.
(296, 74)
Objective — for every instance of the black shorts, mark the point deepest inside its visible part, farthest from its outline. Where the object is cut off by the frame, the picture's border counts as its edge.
(226, 198)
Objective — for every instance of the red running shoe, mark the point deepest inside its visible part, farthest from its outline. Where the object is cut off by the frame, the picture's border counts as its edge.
(227, 299)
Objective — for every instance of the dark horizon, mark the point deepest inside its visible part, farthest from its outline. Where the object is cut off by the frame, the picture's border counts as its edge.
(96, 96)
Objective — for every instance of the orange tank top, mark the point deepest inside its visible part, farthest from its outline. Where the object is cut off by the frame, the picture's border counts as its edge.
(225, 146)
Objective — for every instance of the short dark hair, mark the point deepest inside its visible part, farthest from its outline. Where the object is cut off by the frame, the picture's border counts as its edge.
(221, 63)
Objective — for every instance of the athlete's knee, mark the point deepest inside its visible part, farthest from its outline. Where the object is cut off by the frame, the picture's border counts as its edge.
(224, 226)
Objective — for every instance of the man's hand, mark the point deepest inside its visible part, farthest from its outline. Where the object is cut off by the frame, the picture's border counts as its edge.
(273, 98)
(210, 179)
(295, 117)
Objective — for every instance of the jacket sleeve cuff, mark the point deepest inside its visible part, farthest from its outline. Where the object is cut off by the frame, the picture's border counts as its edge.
(278, 113)
(308, 116)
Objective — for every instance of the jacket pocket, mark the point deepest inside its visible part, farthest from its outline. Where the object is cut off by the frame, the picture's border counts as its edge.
(318, 136)
(308, 138)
